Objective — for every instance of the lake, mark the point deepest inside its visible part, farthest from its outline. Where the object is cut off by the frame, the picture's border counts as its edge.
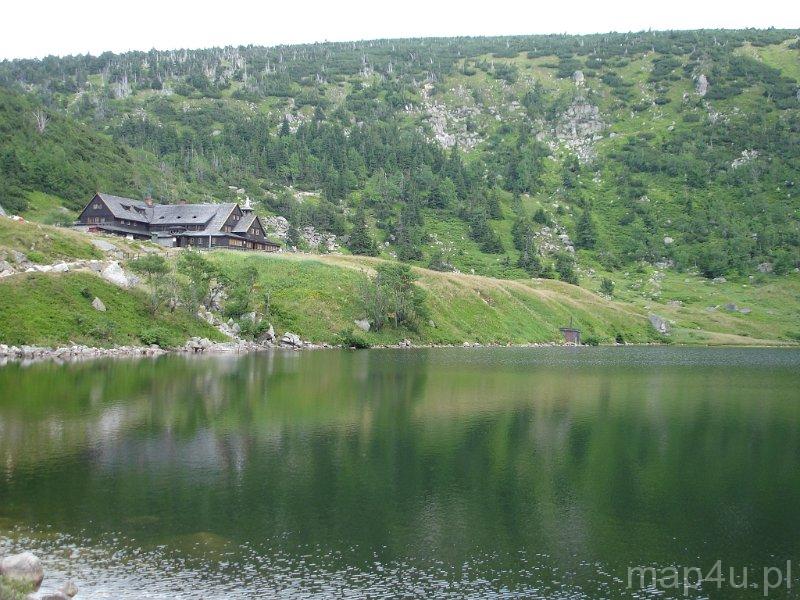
(447, 473)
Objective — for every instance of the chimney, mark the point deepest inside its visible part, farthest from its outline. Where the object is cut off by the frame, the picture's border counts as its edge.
(148, 200)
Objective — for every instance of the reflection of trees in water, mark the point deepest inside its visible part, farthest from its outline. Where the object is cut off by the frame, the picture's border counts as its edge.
(396, 452)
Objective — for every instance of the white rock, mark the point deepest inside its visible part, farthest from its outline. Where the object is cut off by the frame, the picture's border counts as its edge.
(24, 568)
(362, 324)
(103, 245)
(114, 274)
(60, 268)
(291, 339)
(98, 305)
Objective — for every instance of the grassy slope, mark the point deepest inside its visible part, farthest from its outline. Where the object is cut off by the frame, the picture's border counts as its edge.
(51, 310)
(318, 296)
(43, 244)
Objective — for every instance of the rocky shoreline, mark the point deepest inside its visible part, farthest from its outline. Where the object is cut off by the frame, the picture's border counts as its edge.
(75, 353)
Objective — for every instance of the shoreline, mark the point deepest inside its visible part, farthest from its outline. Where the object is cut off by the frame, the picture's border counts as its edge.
(29, 354)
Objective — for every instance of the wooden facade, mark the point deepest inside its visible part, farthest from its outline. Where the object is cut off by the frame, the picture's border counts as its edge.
(182, 225)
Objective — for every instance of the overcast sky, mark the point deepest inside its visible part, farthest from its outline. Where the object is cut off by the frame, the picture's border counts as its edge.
(36, 29)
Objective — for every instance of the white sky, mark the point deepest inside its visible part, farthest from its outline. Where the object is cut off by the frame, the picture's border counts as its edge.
(35, 29)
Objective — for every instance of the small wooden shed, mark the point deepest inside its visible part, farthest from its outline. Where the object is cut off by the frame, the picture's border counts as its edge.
(571, 334)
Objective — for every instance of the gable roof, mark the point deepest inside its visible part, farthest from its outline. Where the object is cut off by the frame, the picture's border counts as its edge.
(126, 208)
(174, 214)
(224, 211)
(244, 223)
(211, 216)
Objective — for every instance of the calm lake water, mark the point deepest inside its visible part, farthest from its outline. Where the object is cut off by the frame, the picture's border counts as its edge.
(532, 473)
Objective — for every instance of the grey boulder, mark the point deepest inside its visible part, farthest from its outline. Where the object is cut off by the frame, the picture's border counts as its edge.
(98, 305)
(291, 339)
(660, 324)
(24, 568)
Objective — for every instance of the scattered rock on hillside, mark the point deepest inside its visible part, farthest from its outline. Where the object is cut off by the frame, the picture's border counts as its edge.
(23, 568)
(765, 267)
(579, 127)
(113, 273)
(660, 324)
(701, 85)
(362, 324)
(98, 305)
(103, 245)
(746, 157)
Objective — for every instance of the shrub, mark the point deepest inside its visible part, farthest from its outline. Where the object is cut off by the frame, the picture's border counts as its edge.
(591, 340)
(155, 336)
(565, 267)
(392, 296)
(352, 339)
(607, 287)
(36, 257)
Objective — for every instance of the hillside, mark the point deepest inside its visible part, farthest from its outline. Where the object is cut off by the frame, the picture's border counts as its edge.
(553, 156)
(319, 297)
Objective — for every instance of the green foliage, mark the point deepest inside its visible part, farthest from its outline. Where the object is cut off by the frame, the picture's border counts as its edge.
(204, 277)
(586, 234)
(13, 590)
(43, 244)
(242, 294)
(349, 338)
(157, 336)
(392, 297)
(437, 262)
(361, 241)
(359, 148)
(565, 267)
(56, 309)
(607, 287)
(157, 273)
(590, 340)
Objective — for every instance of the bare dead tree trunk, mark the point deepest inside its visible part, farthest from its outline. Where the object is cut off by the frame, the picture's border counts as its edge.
(41, 119)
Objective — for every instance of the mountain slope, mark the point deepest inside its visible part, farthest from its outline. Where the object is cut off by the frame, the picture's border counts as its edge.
(573, 157)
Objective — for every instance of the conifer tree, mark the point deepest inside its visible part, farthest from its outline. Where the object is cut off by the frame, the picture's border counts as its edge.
(361, 241)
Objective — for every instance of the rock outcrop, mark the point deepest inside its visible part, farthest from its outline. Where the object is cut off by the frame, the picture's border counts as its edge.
(114, 273)
(579, 127)
(291, 340)
(701, 85)
(660, 324)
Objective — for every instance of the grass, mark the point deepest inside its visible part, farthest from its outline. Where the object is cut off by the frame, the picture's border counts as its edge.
(12, 590)
(318, 297)
(48, 209)
(44, 244)
(56, 309)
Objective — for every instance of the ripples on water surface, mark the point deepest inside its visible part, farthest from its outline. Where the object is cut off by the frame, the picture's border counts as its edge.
(536, 473)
